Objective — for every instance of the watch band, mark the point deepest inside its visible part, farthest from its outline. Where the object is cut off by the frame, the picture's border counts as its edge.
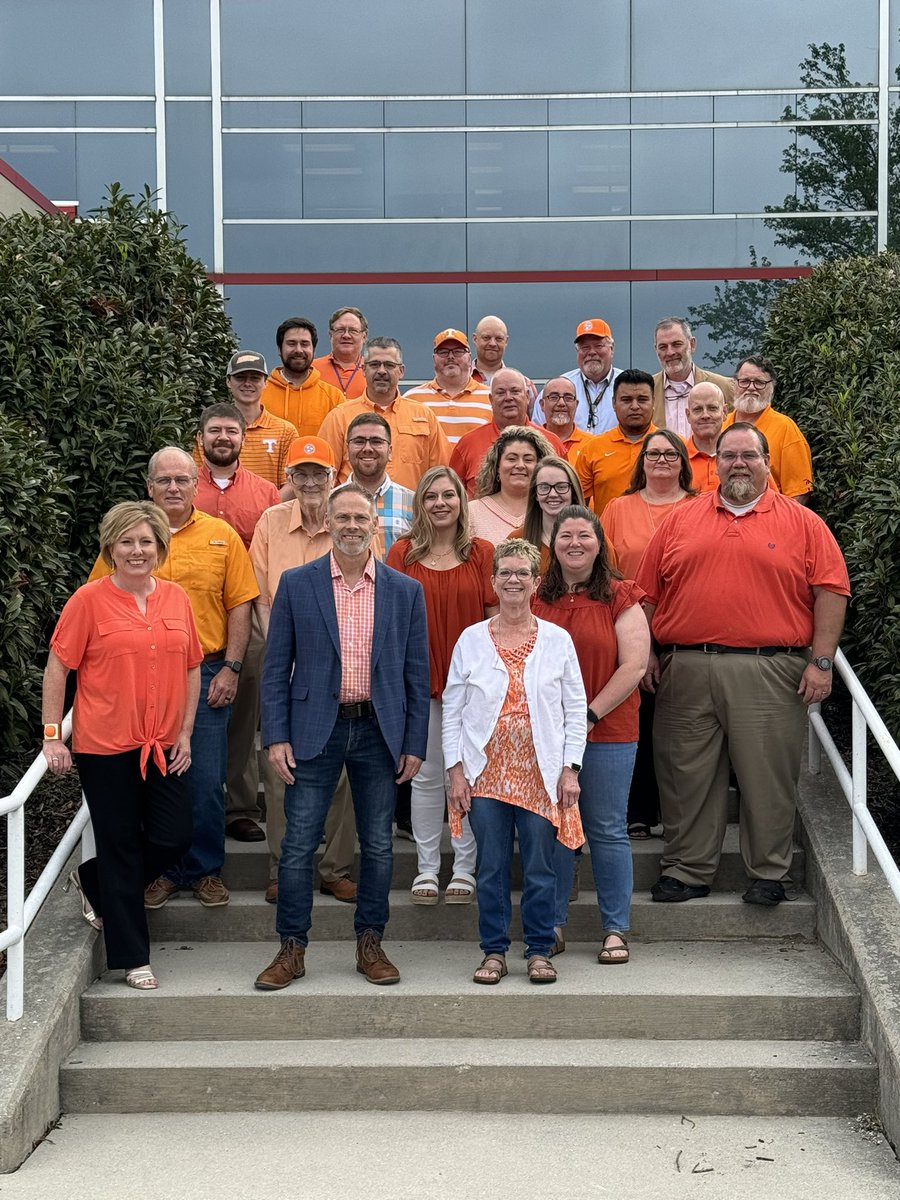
(233, 664)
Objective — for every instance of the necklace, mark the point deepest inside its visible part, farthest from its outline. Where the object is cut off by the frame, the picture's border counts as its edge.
(435, 558)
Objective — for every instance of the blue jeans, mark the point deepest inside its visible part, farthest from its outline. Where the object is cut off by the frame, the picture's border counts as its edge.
(359, 745)
(206, 781)
(495, 824)
(605, 779)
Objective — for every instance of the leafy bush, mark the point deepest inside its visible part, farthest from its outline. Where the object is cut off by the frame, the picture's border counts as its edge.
(835, 339)
(112, 340)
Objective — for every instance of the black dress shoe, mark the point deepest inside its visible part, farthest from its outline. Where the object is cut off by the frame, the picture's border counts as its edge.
(764, 891)
(245, 830)
(669, 890)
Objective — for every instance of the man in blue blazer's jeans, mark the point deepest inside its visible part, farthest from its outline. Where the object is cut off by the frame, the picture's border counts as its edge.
(345, 682)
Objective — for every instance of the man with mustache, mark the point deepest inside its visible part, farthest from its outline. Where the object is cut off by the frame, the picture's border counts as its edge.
(593, 378)
(560, 402)
(746, 595)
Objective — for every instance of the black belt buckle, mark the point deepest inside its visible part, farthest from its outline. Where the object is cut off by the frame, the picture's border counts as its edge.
(362, 708)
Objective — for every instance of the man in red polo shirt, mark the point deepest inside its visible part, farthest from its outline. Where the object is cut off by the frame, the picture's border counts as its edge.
(747, 592)
(509, 405)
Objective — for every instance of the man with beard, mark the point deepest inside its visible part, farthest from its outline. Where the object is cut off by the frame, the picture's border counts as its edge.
(791, 460)
(560, 402)
(593, 378)
(369, 452)
(416, 434)
(345, 683)
(296, 391)
(509, 406)
(675, 346)
(226, 489)
(746, 595)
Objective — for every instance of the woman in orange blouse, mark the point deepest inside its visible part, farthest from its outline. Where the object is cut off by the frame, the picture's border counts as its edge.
(132, 639)
(501, 488)
(454, 570)
(513, 736)
(661, 481)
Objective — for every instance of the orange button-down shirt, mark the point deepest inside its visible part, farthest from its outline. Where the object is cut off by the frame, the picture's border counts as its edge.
(417, 440)
(279, 543)
(606, 464)
(241, 503)
(356, 625)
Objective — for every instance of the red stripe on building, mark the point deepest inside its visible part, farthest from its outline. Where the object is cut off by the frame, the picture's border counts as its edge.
(668, 275)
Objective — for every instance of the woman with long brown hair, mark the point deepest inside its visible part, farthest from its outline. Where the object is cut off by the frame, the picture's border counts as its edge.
(501, 488)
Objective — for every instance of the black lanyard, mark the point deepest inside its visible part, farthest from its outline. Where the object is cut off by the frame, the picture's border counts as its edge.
(593, 405)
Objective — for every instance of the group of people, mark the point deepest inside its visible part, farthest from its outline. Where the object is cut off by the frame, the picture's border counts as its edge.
(554, 615)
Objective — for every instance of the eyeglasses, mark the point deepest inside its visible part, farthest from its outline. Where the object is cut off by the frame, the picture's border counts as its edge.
(342, 329)
(669, 456)
(452, 352)
(505, 573)
(377, 443)
(317, 477)
(561, 489)
(382, 364)
(181, 481)
(748, 383)
(729, 456)
(553, 397)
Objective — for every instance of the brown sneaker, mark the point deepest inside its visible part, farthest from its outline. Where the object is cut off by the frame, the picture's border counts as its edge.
(285, 967)
(372, 961)
(211, 891)
(342, 889)
(160, 892)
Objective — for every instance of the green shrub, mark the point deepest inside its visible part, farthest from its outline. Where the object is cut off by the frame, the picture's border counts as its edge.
(112, 340)
(835, 339)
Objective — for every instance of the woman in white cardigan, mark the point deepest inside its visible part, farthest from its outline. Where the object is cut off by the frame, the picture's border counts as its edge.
(514, 729)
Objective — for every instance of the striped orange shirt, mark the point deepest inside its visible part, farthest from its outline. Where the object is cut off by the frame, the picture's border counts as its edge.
(355, 609)
(459, 413)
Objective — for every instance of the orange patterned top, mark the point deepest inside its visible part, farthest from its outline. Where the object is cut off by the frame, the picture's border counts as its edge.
(512, 773)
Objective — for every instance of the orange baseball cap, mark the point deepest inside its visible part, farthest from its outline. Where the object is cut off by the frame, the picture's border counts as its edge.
(310, 450)
(595, 326)
(451, 335)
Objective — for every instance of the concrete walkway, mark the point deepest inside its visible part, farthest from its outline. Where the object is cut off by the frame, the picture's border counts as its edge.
(439, 1156)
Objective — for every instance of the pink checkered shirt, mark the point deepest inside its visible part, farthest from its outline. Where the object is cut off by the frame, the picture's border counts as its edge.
(356, 623)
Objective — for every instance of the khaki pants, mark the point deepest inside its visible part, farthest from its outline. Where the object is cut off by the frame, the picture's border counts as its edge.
(711, 708)
(340, 828)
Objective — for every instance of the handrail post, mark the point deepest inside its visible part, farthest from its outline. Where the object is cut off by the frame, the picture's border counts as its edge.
(814, 751)
(858, 799)
(15, 913)
(88, 845)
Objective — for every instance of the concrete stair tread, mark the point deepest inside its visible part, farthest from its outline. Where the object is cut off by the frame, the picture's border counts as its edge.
(388, 1053)
(683, 969)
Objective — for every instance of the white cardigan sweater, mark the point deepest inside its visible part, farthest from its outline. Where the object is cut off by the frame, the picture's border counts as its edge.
(477, 684)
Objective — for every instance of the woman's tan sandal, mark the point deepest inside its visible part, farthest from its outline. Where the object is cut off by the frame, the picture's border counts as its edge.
(614, 956)
(142, 978)
(492, 969)
(540, 969)
(424, 888)
(460, 889)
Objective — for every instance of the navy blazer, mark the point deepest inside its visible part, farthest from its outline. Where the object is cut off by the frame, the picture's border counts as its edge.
(301, 678)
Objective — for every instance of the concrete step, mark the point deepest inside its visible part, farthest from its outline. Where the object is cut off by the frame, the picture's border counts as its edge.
(681, 990)
(471, 1074)
(720, 915)
(247, 864)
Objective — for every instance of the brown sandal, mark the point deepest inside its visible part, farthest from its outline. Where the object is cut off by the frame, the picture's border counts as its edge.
(614, 956)
(492, 969)
(540, 969)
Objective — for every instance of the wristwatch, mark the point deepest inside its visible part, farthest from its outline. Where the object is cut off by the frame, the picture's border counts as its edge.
(234, 664)
(51, 733)
(592, 716)
(576, 767)
(823, 662)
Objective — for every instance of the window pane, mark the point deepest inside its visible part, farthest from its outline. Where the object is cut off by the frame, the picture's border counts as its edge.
(189, 173)
(329, 248)
(186, 30)
(589, 173)
(249, 114)
(652, 301)
(46, 114)
(425, 112)
(261, 175)
(648, 110)
(593, 112)
(121, 113)
(342, 113)
(46, 160)
(343, 175)
(668, 245)
(671, 170)
(506, 174)
(105, 158)
(747, 174)
(506, 112)
(424, 175)
(568, 246)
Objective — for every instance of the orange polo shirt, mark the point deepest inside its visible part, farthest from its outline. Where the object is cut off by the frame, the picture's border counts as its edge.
(606, 464)
(417, 440)
(740, 581)
(790, 459)
(350, 381)
(703, 468)
(572, 445)
(468, 453)
(306, 406)
(458, 412)
(132, 667)
(207, 558)
(241, 504)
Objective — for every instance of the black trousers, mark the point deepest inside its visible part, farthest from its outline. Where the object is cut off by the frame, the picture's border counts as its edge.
(141, 827)
(643, 798)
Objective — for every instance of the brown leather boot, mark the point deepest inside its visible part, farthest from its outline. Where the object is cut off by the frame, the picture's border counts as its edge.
(372, 961)
(285, 967)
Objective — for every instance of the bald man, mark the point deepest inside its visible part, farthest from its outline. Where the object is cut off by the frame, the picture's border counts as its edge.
(491, 338)
(560, 400)
(705, 412)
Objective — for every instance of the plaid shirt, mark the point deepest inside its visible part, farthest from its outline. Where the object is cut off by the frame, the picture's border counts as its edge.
(394, 504)
(355, 609)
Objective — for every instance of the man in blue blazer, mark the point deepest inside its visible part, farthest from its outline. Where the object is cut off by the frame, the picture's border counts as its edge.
(346, 682)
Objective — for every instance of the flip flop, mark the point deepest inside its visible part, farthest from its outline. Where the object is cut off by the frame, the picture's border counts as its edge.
(638, 831)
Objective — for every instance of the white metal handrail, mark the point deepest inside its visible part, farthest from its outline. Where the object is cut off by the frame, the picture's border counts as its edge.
(21, 910)
(853, 781)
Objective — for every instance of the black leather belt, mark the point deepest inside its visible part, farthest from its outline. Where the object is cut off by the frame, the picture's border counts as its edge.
(362, 708)
(215, 656)
(715, 648)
